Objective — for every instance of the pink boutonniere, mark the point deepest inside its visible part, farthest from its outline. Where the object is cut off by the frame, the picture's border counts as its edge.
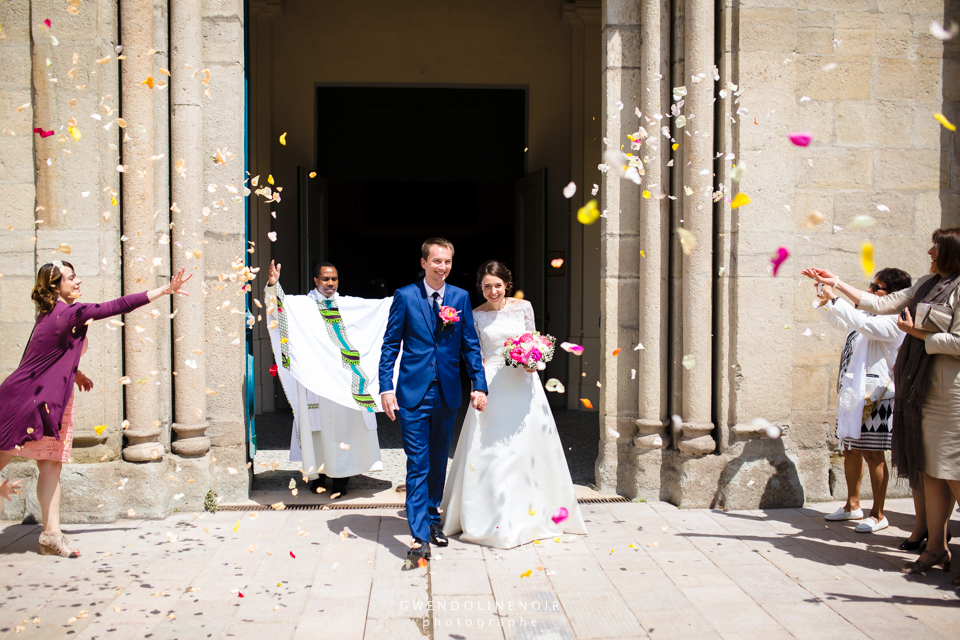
(449, 315)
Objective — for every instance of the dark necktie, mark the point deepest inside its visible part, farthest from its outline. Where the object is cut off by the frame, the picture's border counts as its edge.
(436, 310)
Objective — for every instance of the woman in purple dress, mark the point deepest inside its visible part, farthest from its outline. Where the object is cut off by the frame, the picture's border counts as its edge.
(36, 400)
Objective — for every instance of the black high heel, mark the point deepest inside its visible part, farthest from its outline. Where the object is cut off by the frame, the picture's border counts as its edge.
(914, 545)
(921, 544)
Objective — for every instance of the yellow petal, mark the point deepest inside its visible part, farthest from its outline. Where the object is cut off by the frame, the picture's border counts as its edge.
(74, 133)
(946, 123)
(284, 340)
(740, 200)
(675, 146)
(100, 429)
(866, 259)
(532, 512)
(687, 242)
(236, 527)
(270, 178)
(527, 573)
(283, 138)
(646, 194)
(148, 82)
(588, 213)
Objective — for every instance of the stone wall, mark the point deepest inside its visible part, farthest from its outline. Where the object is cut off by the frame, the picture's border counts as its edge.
(865, 80)
(62, 199)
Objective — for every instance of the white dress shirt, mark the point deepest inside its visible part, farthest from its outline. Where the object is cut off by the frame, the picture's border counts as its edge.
(431, 291)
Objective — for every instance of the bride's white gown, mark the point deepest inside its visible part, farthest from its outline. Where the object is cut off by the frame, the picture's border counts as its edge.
(509, 474)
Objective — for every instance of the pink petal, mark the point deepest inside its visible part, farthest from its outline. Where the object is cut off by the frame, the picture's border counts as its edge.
(560, 515)
(801, 139)
(779, 259)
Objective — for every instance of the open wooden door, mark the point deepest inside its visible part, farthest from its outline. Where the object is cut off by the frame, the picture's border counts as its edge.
(529, 275)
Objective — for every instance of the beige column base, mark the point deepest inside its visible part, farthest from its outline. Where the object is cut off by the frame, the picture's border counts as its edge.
(191, 439)
(651, 434)
(697, 438)
(142, 445)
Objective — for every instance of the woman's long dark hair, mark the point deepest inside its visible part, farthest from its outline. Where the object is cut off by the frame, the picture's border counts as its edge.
(46, 292)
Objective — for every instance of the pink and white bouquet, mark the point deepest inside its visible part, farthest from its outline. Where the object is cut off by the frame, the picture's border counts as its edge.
(531, 350)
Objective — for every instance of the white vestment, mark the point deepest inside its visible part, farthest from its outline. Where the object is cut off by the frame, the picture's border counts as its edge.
(328, 353)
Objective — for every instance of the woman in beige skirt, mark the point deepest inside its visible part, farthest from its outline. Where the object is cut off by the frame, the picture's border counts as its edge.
(926, 440)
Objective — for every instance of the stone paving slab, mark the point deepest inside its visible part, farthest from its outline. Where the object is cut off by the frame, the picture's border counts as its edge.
(644, 570)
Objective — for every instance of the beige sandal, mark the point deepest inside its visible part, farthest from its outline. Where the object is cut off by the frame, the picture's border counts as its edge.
(56, 544)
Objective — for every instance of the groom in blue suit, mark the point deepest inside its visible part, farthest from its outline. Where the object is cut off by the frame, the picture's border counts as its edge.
(428, 387)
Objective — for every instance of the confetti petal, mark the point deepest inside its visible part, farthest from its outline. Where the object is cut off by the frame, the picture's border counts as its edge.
(862, 222)
(813, 219)
(616, 352)
(570, 190)
(554, 385)
(739, 200)
(588, 213)
(586, 403)
(866, 259)
(43, 134)
(560, 515)
(556, 263)
(527, 573)
(272, 235)
(74, 133)
(800, 139)
(99, 429)
(942, 119)
(778, 259)
(283, 138)
(688, 362)
(569, 347)
(687, 242)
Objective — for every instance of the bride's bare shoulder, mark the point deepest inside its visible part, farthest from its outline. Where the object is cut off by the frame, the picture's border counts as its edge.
(518, 302)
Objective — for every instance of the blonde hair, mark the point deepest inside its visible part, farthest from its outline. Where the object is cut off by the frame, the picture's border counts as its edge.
(46, 291)
(439, 242)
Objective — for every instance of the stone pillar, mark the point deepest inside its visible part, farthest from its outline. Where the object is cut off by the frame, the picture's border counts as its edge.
(187, 191)
(696, 145)
(139, 249)
(620, 242)
(654, 236)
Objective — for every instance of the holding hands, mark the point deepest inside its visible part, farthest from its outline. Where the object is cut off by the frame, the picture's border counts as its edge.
(478, 400)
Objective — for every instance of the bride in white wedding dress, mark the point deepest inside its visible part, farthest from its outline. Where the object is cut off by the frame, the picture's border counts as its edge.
(509, 476)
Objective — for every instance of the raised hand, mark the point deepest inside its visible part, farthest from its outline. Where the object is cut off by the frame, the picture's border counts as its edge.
(274, 274)
(177, 282)
(820, 275)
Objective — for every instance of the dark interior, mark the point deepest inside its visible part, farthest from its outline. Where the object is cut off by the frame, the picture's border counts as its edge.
(404, 164)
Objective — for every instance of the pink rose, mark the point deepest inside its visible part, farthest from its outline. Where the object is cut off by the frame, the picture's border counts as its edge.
(535, 355)
(517, 354)
(526, 337)
(449, 316)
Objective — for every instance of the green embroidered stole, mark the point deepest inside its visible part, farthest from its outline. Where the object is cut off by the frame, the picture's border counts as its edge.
(337, 331)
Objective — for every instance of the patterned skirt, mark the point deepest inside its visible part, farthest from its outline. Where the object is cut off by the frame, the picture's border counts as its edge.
(876, 432)
(49, 448)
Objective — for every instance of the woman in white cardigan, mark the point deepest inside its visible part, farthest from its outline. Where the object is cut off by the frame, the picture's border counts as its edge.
(866, 390)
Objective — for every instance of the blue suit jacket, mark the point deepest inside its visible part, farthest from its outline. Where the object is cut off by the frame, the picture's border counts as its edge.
(427, 352)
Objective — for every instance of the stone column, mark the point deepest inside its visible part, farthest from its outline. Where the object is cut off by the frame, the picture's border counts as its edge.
(696, 145)
(654, 236)
(187, 191)
(139, 249)
(620, 242)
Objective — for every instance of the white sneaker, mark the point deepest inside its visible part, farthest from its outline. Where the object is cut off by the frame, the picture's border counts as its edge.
(871, 526)
(840, 514)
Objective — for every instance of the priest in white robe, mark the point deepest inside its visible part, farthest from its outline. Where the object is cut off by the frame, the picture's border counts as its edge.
(326, 346)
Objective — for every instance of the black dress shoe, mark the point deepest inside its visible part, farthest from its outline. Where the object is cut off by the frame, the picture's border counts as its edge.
(317, 483)
(340, 486)
(436, 535)
(422, 552)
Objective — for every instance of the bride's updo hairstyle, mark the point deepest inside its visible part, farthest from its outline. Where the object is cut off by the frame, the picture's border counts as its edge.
(497, 269)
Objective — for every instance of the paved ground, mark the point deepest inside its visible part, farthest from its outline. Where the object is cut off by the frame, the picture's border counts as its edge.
(643, 570)
(579, 432)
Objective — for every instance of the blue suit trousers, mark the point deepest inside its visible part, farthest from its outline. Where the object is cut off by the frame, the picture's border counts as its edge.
(426, 430)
